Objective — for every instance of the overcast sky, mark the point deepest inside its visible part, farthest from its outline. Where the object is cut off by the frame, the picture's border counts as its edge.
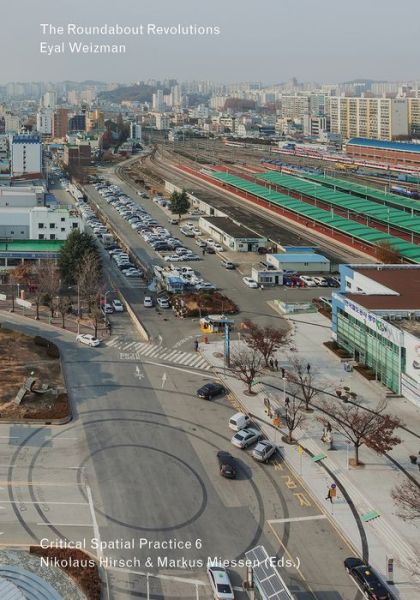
(267, 40)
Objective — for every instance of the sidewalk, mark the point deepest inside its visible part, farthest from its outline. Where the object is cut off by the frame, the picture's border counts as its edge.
(359, 490)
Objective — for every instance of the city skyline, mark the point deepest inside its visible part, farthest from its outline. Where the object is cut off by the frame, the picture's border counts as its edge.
(322, 42)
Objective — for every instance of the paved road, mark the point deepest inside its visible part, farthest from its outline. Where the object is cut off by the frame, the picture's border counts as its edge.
(253, 304)
(138, 461)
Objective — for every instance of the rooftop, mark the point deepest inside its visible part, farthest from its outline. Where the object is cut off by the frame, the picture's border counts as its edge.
(299, 257)
(31, 246)
(401, 146)
(231, 228)
(403, 281)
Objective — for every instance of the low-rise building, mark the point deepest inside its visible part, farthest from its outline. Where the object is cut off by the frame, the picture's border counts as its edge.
(265, 276)
(77, 155)
(21, 197)
(390, 153)
(19, 252)
(376, 319)
(38, 223)
(301, 262)
(234, 236)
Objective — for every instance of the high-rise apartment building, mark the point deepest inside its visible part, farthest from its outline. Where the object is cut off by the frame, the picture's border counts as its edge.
(26, 155)
(375, 118)
(60, 122)
(44, 122)
(294, 106)
(158, 104)
(414, 116)
(11, 123)
(49, 100)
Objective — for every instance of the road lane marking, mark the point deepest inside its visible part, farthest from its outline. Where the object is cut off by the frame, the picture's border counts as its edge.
(41, 502)
(295, 519)
(64, 524)
(156, 364)
(94, 521)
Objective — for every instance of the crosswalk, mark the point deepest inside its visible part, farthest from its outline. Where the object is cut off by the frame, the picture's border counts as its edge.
(131, 349)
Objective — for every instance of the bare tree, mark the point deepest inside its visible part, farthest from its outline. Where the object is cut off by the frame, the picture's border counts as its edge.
(89, 279)
(245, 365)
(362, 427)
(265, 340)
(386, 253)
(19, 275)
(96, 316)
(63, 304)
(40, 272)
(407, 498)
(50, 283)
(294, 415)
(303, 380)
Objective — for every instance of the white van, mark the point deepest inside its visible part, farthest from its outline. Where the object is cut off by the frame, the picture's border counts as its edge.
(239, 421)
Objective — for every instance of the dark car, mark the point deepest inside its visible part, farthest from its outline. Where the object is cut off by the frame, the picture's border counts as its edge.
(210, 250)
(366, 579)
(209, 390)
(227, 464)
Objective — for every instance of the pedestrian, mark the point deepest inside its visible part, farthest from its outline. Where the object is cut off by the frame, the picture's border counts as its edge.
(271, 363)
(308, 368)
(332, 492)
(204, 251)
(261, 287)
(276, 364)
(196, 345)
(287, 401)
(329, 428)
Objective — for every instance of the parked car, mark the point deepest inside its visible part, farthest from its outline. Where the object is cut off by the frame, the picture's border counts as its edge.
(210, 250)
(366, 579)
(108, 309)
(251, 283)
(163, 302)
(205, 285)
(117, 305)
(218, 247)
(210, 390)
(148, 302)
(133, 273)
(264, 450)
(227, 464)
(245, 437)
(321, 281)
(239, 421)
(88, 339)
(200, 243)
(173, 221)
(187, 232)
(220, 583)
(228, 264)
(308, 281)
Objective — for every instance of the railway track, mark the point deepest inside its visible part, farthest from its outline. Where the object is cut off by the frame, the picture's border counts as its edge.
(277, 230)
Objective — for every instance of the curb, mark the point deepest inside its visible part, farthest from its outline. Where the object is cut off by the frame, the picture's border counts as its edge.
(298, 477)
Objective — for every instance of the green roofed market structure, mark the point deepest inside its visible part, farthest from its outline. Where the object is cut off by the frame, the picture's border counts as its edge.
(347, 225)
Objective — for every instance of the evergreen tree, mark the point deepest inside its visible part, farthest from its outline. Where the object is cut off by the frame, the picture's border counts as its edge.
(180, 204)
(75, 248)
